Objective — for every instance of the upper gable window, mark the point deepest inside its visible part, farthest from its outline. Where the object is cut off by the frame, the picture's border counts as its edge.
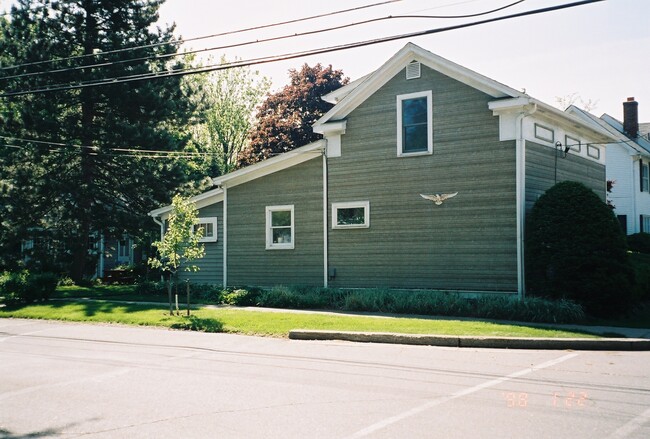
(415, 124)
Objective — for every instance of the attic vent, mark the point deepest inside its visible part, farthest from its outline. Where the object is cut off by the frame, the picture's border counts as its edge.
(413, 70)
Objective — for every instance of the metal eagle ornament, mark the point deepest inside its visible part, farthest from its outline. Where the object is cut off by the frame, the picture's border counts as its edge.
(438, 198)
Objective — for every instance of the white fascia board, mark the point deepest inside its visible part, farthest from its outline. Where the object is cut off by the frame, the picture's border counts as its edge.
(331, 128)
(335, 96)
(274, 164)
(202, 200)
(410, 52)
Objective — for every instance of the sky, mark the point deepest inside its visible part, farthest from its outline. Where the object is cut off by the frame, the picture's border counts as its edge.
(598, 52)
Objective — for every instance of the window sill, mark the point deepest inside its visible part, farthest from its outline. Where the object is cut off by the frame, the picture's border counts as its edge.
(414, 154)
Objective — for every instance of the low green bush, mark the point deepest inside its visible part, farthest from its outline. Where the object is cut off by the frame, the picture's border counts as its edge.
(639, 242)
(21, 287)
(641, 264)
(498, 307)
(241, 296)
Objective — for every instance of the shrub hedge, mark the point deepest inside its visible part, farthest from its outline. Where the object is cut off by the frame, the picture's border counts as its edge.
(575, 249)
(21, 287)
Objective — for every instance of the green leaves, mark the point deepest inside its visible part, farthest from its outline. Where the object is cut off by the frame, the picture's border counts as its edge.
(181, 243)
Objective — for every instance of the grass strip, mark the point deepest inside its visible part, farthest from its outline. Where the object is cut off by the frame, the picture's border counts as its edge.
(277, 324)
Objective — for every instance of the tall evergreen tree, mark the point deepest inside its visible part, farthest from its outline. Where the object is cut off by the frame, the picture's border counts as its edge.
(83, 185)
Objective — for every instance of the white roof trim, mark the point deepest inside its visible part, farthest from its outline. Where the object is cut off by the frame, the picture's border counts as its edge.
(410, 52)
(208, 198)
(553, 115)
(596, 121)
(274, 164)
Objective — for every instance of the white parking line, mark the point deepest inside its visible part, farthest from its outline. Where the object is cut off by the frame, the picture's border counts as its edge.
(419, 409)
(632, 426)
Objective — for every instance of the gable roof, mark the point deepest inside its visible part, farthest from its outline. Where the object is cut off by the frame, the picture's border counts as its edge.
(640, 140)
(352, 95)
(613, 127)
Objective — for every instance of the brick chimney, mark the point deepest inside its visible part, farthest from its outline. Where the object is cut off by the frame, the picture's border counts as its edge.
(631, 118)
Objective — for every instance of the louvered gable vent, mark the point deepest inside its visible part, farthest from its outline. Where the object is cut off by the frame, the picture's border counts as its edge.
(413, 70)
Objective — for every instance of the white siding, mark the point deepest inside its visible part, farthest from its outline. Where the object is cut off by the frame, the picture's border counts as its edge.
(623, 168)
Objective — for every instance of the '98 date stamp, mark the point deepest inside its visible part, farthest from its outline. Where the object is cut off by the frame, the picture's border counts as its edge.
(565, 399)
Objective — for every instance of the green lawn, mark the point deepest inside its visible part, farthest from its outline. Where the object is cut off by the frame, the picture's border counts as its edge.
(268, 323)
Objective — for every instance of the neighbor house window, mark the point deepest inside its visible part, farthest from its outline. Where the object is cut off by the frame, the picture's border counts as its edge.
(415, 123)
(645, 178)
(645, 224)
(124, 250)
(351, 215)
(209, 226)
(279, 227)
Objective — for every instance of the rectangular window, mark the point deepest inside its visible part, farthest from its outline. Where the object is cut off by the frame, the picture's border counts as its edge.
(645, 178)
(544, 133)
(645, 223)
(622, 219)
(572, 143)
(415, 124)
(209, 226)
(279, 227)
(593, 152)
(124, 250)
(352, 215)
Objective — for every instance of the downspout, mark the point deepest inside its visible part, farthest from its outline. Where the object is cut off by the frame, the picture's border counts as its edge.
(325, 203)
(635, 217)
(225, 236)
(521, 198)
(162, 235)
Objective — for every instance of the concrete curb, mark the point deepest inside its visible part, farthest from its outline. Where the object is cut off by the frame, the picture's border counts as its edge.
(585, 344)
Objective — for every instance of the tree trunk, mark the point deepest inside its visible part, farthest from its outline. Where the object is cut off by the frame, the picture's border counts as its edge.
(169, 292)
(85, 191)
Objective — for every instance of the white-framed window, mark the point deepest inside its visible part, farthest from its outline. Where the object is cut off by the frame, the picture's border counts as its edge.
(280, 227)
(645, 223)
(544, 133)
(645, 178)
(351, 215)
(209, 226)
(124, 250)
(593, 152)
(572, 143)
(415, 123)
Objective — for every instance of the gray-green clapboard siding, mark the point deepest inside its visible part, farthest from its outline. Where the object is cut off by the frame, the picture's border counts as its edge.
(249, 263)
(211, 265)
(467, 243)
(540, 172)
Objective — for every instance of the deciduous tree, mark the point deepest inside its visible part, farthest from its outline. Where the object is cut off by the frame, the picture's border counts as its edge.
(284, 120)
(181, 243)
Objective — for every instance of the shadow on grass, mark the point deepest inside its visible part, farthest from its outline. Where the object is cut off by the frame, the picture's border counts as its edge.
(203, 324)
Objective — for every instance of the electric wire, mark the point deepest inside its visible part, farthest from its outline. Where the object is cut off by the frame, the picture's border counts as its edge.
(256, 41)
(283, 57)
(221, 34)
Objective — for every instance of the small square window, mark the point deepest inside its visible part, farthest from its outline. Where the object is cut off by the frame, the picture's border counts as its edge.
(544, 133)
(414, 124)
(279, 227)
(352, 215)
(593, 152)
(209, 226)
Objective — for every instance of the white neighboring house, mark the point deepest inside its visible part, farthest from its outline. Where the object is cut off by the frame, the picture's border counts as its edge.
(628, 165)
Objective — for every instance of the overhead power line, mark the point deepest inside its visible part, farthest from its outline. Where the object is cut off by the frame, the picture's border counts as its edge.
(205, 37)
(276, 58)
(256, 41)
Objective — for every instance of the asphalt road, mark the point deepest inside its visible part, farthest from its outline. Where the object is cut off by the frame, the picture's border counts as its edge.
(73, 380)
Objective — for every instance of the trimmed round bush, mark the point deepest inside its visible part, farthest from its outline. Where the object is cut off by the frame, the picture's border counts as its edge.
(576, 250)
